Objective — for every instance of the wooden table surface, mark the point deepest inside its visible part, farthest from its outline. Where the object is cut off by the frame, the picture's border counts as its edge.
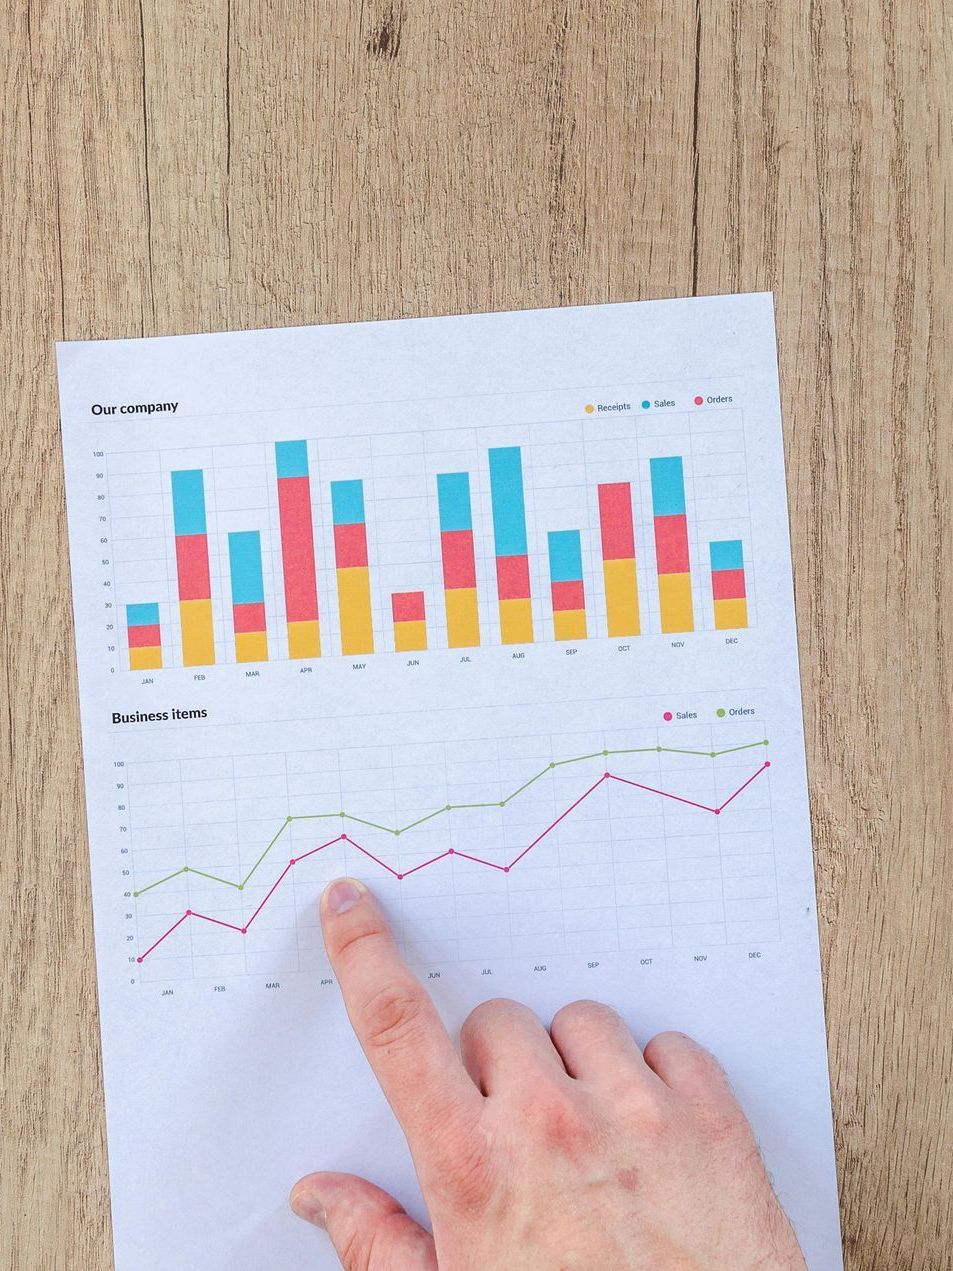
(183, 165)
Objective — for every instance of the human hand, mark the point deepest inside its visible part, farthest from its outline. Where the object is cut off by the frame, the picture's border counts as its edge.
(539, 1151)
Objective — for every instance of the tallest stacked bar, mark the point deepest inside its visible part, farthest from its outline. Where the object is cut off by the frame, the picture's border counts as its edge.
(191, 558)
(297, 549)
(671, 544)
(509, 538)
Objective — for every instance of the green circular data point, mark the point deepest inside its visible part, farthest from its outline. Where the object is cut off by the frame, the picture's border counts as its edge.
(241, 886)
(136, 894)
(185, 869)
(502, 803)
(447, 808)
(765, 741)
(713, 754)
(552, 765)
(342, 814)
(396, 832)
(605, 752)
(659, 749)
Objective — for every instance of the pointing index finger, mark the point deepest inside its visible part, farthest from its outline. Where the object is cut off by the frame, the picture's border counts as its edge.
(406, 1044)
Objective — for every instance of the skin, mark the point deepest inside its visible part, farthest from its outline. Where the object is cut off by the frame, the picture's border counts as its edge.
(563, 1149)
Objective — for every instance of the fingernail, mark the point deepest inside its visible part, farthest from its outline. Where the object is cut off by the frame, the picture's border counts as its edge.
(343, 896)
(306, 1204)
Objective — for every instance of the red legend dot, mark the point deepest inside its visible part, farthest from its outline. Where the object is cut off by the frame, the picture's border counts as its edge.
(667, 716)
(699, 401)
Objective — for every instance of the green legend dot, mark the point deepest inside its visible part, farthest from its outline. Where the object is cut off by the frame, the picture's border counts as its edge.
(720, 712)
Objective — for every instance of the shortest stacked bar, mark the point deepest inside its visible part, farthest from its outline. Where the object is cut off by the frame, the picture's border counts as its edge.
(248, 596)
(568, 590)
(728, 584)
(410, 621)
(145, 639)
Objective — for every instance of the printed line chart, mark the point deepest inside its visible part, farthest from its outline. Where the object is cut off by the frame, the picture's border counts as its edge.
(646, 845)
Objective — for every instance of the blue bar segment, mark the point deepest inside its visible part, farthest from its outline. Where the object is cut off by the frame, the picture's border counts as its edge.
(188, 501)
(244, 563)
(453, 498)
(347, 502)
(291, 458)
(506, 495)
(142, 615)
(565, 556)
(668, 486)
(726, 554)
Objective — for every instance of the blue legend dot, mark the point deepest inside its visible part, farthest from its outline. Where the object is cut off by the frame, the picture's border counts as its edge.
(646, 405)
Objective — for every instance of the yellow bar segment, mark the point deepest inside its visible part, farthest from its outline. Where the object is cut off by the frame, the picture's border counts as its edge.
(251, 646)
(569, 624)
(622, 597)
(675, 602)
(409, 636)
(304, 640)
(145, 659)
(730, 614)
(198, 639)
(516, 621)
(463, 618)
(354, 607)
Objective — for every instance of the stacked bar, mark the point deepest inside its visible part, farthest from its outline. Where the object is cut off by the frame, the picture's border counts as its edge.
(350, 559)
(568, 590)
(618, 559)
(248, 596)
(191, 557)
(145, 639)
(509, 537)
(410, 621)
(728, 584)
(297, 549)
(459, 566)
(671, 544)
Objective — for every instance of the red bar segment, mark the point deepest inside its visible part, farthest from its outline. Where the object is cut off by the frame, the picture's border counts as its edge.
(512, 577)
(191, 560)
(248, 618)
(144, 637)
(408, 606)
(350, 546)
(459, 567)
(297, 549)
(569, 595)
(615, 521)
(728, 584)
(671, 544)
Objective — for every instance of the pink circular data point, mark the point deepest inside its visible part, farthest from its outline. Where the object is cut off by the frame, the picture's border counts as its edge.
(343, 837)
(606, 775)
(506, 869)
(667, 716)
(449, 851)
(767, 763)
(138, 959)
(717, 811)
(244, 931)
(188, 913)
(292, 861)
(400, 876)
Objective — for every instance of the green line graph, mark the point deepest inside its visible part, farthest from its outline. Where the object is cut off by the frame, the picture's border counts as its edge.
(396, 831)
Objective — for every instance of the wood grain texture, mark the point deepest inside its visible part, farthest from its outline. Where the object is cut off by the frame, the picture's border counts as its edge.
(183, 165)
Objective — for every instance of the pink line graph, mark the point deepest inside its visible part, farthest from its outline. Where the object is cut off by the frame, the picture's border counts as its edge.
(477, 860)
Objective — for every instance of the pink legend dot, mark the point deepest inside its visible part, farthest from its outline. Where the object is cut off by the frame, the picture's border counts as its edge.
(699, 401)
(667, 716)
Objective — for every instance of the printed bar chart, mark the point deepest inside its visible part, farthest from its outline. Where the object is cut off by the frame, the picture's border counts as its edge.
(192, 567)
(144, 636)
(728, 584)
(618, 559)
(671, 544)
(510, 545)
(248, 596)
(566, 582)
(459, 564)
(353, 575)
(297, 549)
(410, 621)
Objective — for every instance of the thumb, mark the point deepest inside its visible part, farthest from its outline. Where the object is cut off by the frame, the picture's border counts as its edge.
(368, 1228)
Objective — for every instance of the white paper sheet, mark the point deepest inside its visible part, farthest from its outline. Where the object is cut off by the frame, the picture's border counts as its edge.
(621, 816)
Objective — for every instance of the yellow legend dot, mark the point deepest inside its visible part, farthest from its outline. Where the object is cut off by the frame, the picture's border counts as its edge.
(589, 408)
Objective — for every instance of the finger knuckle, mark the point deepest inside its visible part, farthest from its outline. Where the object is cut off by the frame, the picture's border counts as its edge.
(488, 1013)
(393, 1016)
(585, 1011)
